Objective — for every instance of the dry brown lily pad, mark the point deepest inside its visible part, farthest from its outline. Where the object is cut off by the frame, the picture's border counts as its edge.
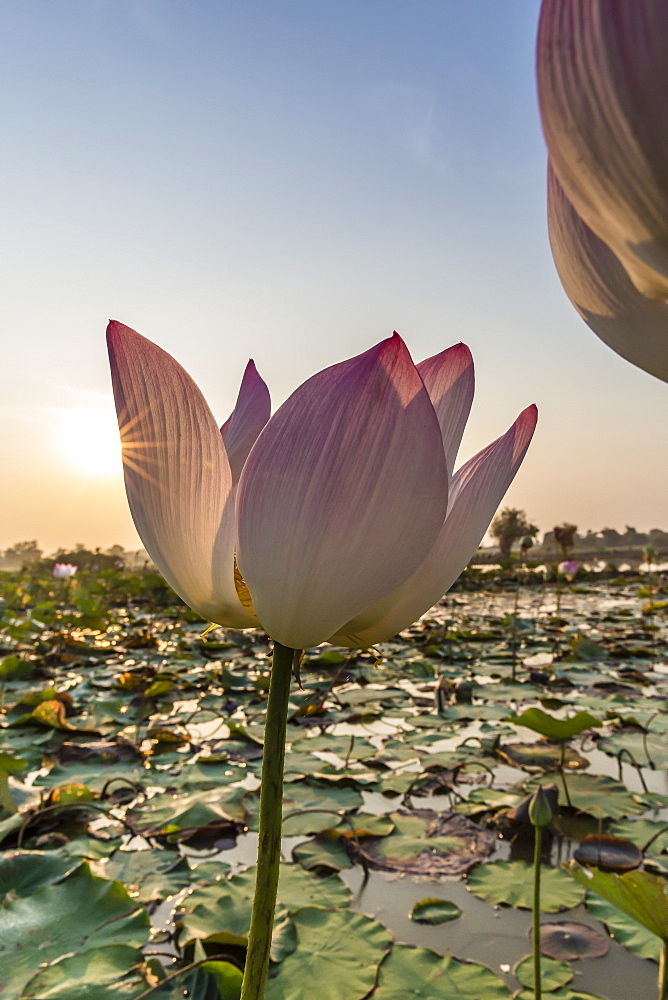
(425, 842)
(566, 940)
(542, 755)
(610, 854)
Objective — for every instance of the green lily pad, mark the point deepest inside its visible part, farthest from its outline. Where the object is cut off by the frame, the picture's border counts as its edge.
(435, 911)
(595, 794)
(421, 974)
(95, 974)
(624, 929)
(553, 974)
(326, 851)
(80, 913)
(23, 872)
(643, 748)
(167, 814)
(297, 888)
(511, 883)
(556, 729)
(221, 912)
(336, 949)
(149, 875)
(640, 831)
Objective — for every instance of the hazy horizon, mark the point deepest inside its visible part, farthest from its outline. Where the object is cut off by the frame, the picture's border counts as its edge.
(290, 182)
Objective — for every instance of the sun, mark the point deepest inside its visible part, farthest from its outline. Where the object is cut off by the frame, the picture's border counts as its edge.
(88, 439)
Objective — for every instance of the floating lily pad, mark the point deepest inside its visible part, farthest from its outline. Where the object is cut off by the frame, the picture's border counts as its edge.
(428, 843)
(338, 952)
(109, 973)
(566, 940)
(221, 912)
(596, 794)
(421, 974)
(608, 853)
(311, 807)
(511, 883)
(326, 851)
(435, 911)
(553, 974)
(641, 832)
(174, 814)
(78, 914)
(149, 875)
(23, 872)
(544, 755)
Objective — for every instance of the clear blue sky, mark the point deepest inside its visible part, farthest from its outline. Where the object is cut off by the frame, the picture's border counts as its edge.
(290, 180)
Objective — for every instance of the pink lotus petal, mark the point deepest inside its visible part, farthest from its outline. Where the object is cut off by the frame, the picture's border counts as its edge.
(450, 381)
(252, 411)
(478, 489)
(342, 496)
(602, 292)
(177, 476)
(603, 83)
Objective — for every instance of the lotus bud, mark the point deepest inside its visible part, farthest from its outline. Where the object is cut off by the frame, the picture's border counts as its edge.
(543, 805)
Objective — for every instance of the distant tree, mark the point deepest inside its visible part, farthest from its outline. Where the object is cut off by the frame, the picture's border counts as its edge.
(509, 525)
(24, 553)
(564, 537)
(610, 536)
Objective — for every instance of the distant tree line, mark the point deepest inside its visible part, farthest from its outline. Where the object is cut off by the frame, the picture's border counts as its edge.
(511, 528)
(29, 553)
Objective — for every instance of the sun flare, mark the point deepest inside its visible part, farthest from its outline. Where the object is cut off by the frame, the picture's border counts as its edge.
(88, 439)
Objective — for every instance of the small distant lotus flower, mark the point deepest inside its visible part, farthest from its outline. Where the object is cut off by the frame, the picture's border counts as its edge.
(602, 84)
(340, 518)
(568, 569)
(63, 571)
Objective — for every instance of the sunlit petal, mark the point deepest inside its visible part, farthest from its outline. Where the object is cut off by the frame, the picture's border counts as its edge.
(477, 491)
(632, 324)
(450, 381)
(177, 476)
(342, 495)
(252, 411)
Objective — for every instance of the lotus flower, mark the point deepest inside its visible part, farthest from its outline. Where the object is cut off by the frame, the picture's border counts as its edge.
(337, 519)
(568, 569)
(633, 325)
(63, 571)
(602, 84)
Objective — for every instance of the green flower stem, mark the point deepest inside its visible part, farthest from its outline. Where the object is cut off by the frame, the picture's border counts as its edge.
(663, 972)
(269, 842)
(538, 836)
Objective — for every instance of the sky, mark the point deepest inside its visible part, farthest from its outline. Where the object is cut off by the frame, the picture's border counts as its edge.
(289, 181)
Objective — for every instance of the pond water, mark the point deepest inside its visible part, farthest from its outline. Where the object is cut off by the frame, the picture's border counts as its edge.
(177, 724)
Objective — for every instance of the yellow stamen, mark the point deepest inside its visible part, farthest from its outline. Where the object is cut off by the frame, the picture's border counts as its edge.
(243, 592)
